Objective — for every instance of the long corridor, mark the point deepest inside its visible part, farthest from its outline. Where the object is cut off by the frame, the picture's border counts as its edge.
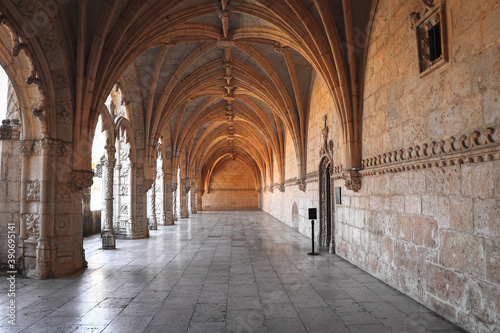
(216, 272)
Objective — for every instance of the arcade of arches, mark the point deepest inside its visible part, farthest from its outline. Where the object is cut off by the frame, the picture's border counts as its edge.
(384, 114)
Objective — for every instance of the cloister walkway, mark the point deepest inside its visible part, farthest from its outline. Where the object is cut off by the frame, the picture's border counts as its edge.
(216, 272)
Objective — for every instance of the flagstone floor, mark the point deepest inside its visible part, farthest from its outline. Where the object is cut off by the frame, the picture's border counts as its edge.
(216, 272)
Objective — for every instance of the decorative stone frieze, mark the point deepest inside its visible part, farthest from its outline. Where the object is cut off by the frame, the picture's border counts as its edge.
(81, 179)
(478, 146)
(232, 189)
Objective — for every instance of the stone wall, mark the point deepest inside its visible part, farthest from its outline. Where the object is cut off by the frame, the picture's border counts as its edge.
(432, 231)
(428, 225)
(232, 186)
(10, 186)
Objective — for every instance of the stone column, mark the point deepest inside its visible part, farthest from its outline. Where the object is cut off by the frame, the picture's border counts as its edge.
(167, 200)
(25, 147)
(131, 223)
(153, 224)
(108, 234)
(174, 204)
(193, 192)
(199, 193)
(183, 198)
(45, 252)
(87, 214)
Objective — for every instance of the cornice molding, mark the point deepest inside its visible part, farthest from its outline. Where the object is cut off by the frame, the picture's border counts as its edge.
(478, 146)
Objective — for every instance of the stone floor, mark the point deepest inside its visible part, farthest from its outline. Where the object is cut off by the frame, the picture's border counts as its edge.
(216, 272)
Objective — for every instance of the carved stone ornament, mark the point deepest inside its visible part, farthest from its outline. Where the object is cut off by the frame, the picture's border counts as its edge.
(32, 225)
(188, 188)
(33, 191)
(9, 129)
(282, 187)
(225, 44)
(81, 179)
(302, 184)
(174, 187)
(478, 146)
(352, 180)
(327, 147)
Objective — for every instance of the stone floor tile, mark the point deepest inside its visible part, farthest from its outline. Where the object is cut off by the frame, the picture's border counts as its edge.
(320, 319)
(124, 323)
(209, 313)
(217, 272)
(291, 325)
(372, 328)
(279, 310)
(358, 317)
(99, 316)
(245, 321)
(205, 327)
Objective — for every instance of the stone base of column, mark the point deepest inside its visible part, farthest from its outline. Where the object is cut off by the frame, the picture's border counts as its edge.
(108, 240)
(43, 260)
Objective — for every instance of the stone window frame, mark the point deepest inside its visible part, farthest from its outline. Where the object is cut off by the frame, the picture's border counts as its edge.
(433, 13)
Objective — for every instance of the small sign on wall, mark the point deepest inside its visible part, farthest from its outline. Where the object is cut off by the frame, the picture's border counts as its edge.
(338, 195)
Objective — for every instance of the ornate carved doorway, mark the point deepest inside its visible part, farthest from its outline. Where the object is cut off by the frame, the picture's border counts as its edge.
(326, 213)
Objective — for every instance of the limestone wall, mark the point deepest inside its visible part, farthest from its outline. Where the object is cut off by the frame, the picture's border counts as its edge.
(232, 186)
(433, 233)
(10, 186)
(430, 229)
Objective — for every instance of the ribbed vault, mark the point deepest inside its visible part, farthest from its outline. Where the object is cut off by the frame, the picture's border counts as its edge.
(221, 78)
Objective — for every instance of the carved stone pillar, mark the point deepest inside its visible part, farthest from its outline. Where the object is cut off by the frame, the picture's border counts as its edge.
(131, 223)
(199, 193)
(86, 212)
(183, 198)
(174, 204)
(168, 200)
(153, 224)
(25, 147)
(193, 192)
(108, 234)
(45, 248)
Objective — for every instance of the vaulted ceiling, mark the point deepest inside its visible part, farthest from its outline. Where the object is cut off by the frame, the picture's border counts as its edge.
(215, 79)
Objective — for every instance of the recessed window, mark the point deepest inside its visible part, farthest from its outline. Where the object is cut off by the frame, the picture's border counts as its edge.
(430, 27)
(435, 49)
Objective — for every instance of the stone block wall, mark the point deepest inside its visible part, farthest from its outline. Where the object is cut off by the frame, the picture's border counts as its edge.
(232, 186)
(430, 229)
(10, 187)
(427, 234)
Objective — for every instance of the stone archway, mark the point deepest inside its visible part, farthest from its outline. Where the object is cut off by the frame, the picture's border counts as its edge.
(326, 211)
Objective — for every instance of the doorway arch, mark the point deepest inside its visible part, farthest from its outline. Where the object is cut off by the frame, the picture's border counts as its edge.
(326, 235)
